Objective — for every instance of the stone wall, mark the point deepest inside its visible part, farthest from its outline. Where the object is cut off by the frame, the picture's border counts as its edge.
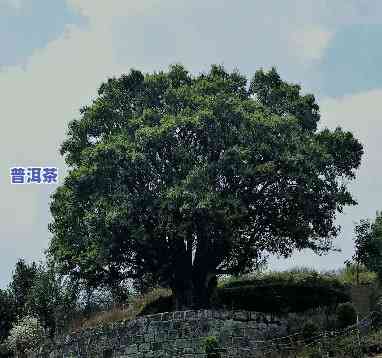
(173, 334)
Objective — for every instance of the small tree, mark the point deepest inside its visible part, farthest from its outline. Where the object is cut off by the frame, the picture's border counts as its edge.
(7, 314)
(21, 283)
(310, 330)
(44, 298)
(368, 246)
(211, 345)
(362, 237)
(374, 248)
(27, 334)
(346, 314)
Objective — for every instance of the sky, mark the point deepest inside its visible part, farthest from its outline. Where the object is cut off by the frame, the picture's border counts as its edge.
(55, 54)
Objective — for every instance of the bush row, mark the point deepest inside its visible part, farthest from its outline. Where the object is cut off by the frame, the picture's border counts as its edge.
(272, 293)
(279, 298)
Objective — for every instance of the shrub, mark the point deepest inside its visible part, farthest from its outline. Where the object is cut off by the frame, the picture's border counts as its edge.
(346, 347)
(25, 335)
(296, 321)
(310, 330)
(275, 292)
(278, 292)
(7, 313)
(346, 314)
(211, 347)
(161, 304)
(4, 351)
(372, 344)
(310, 352)
(296, 290)
(376, 315)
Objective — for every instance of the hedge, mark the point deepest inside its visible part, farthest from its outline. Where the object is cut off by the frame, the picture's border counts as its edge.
(282, 292)
(272, 293)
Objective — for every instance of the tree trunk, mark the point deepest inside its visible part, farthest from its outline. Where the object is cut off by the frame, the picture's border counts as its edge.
(200, 290)
(182, 284)
(195, 293)
(183, 296)
(193, 276)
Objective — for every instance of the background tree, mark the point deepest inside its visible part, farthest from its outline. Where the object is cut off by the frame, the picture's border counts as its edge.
(363, 234)
(21, 283)
(368, 246)
(44, 299)
(7, 314)
(374, 249)
(179, 178)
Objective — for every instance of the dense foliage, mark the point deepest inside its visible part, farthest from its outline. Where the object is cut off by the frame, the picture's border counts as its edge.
(356, 274)
(177, 178)
(310, 330)
(48, 299)
(276, 292)
(27, 334)
(346, 314)
(283, 292)
(349, 345)
(211, 345)
(7, 313)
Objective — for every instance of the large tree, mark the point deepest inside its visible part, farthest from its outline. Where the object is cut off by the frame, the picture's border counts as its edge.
(178, 178)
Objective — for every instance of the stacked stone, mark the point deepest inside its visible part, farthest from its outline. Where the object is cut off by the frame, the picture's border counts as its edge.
(170, 335)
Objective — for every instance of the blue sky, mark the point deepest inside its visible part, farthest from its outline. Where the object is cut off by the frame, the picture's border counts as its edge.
(29, 25)
(55, 54)
(352, 60)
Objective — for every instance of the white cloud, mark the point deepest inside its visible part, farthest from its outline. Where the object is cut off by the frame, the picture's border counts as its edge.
(308, 44)
(37, 103)
(101, 12)
(16, 4)
(360, 114)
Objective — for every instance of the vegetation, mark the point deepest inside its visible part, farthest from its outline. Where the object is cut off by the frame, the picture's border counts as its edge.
(346, 314)
(356, 274)
(21, 283)
(179, 189)
(27, 334)
(368, 245)
(276, 292)
(175, 179)
(137, 305)
(211, 347)
(7, 313)
(282, 292)
(310, 323)
(347, 346)
(310, 330)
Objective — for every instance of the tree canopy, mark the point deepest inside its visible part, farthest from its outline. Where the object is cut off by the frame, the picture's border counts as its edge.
(176, 178)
